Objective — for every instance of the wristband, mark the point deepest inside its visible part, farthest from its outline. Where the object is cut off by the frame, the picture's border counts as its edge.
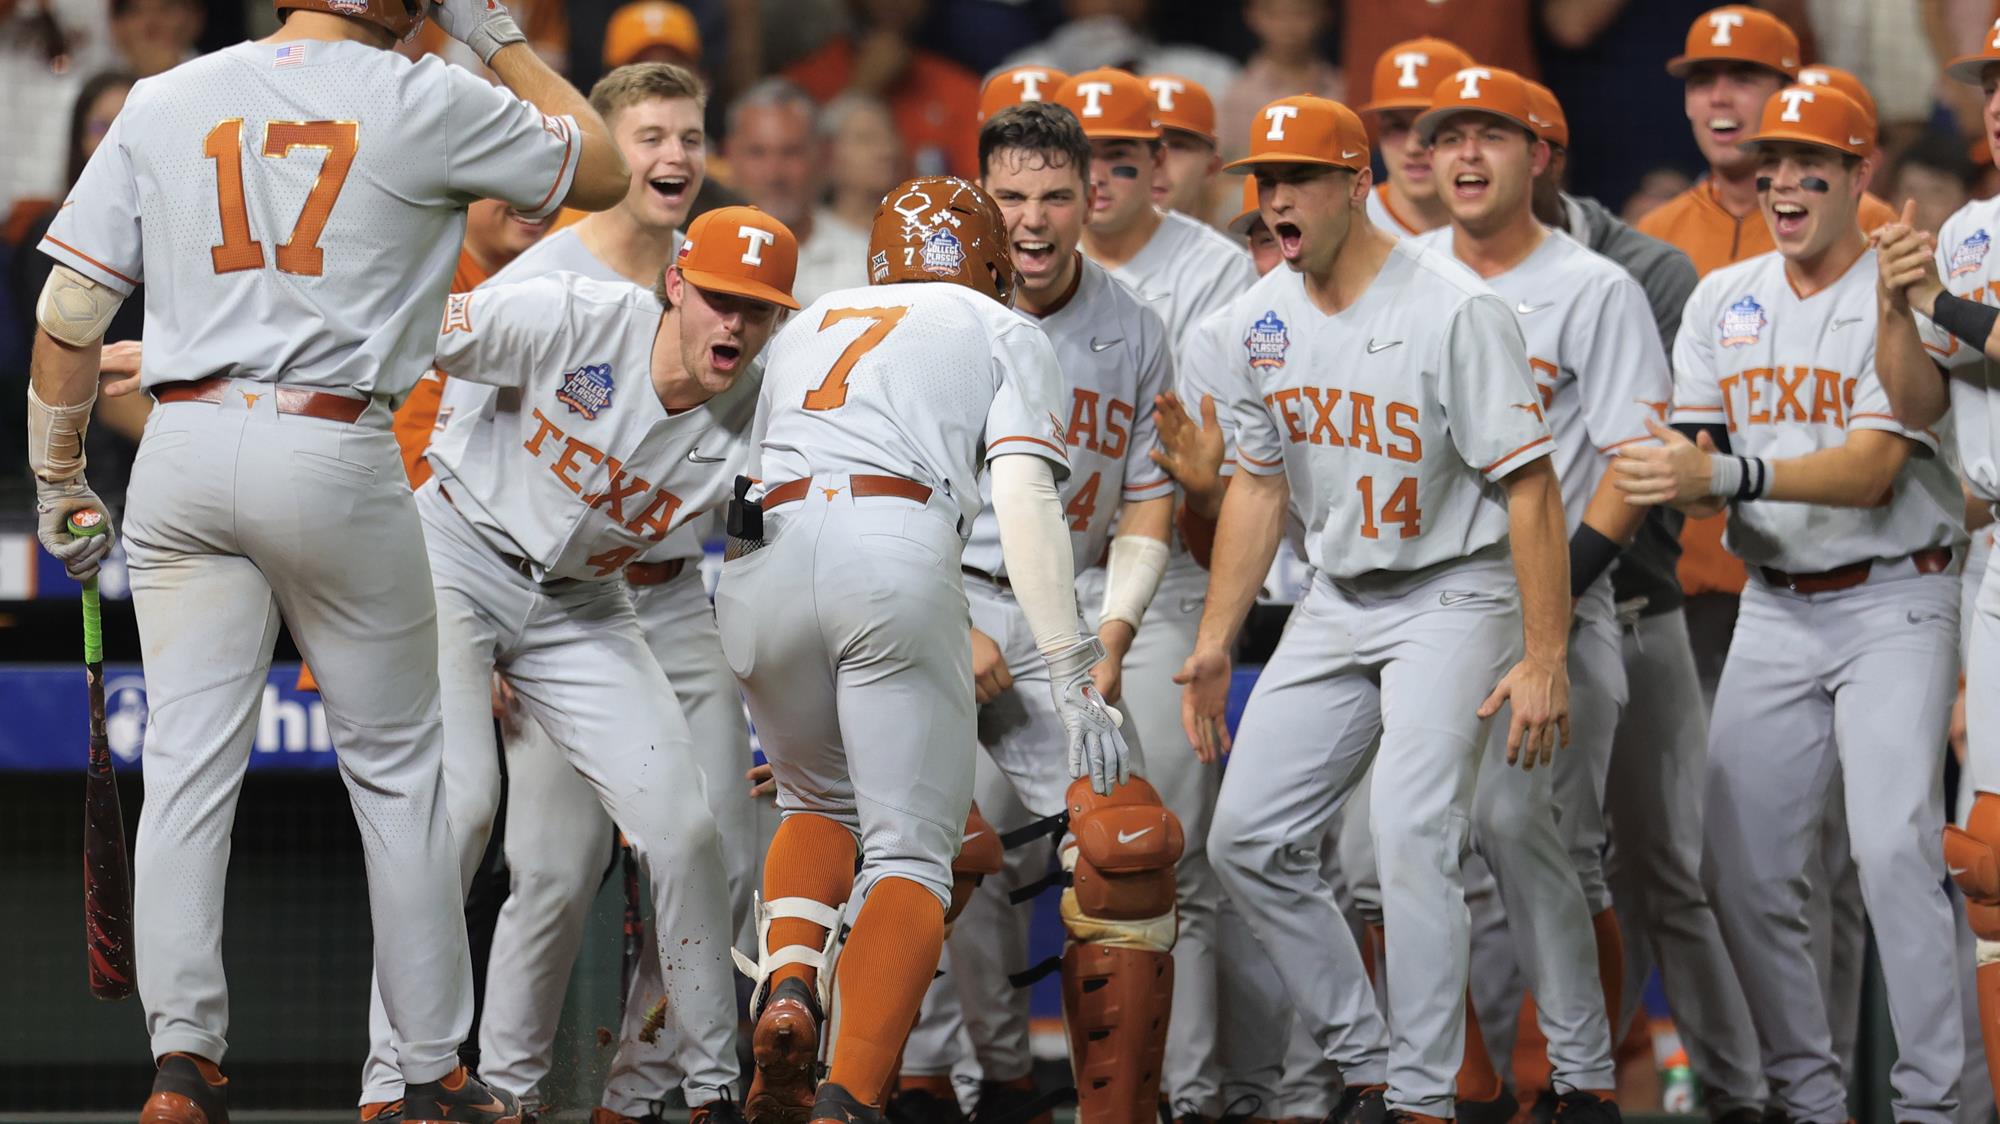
(1970, 321)
(1738, 478)
(1591, 552)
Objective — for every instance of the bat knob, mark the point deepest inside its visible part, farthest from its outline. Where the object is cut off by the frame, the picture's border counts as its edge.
(87, 523)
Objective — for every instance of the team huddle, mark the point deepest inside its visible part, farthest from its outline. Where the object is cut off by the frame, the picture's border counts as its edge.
(994, 521)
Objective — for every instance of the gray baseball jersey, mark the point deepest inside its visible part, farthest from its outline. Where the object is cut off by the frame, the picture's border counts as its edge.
(1968, 270)
(284, 241)
(577, 467)
(1187, 270)
(835, 401)
(1385, 217)
(1114, 358)
(1788, 376)
(1427, 357)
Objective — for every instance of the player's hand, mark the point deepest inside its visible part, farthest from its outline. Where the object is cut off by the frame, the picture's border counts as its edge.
(119, 362)
(54, 504)
(1191, 451)
(506, 706)
(1096, 749)
(763, 782)
(1204, 679)
(483, 25)
(1676, 471)
(1906, 265)
(989, 669)
(1539, 693)
(1109, 674)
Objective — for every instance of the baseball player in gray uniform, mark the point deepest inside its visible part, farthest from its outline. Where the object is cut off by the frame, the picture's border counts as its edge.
(1597, 365)
(843, 614)
(1851, 600)
(1114, 355)
(302, 214)
(1183, 269)
(1421, 463)
(1409, 200)
(1937, 315)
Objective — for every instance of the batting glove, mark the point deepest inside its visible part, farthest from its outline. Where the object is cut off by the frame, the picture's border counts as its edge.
(55, 502)
(483, 25)
(1096, 748)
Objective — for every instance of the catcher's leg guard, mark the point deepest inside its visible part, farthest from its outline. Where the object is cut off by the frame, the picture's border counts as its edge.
(1118, 979)
(1972, 855)
(979, 855)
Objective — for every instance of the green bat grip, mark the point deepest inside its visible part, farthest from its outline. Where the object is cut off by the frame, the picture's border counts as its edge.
(84, 524)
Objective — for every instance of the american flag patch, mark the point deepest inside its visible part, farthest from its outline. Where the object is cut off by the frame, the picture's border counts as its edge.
(291, 54)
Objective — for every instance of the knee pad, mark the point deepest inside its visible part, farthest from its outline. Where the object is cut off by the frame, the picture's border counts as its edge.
(979, 854)
(1972, 856)
(1120, 859)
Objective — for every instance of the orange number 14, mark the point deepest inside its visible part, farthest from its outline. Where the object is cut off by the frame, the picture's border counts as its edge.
(1400, 508)
(299, 254)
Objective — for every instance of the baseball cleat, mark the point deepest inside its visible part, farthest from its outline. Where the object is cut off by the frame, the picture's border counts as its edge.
(186, 1090)
(924, 1100)
(602, 1115)
(835, 1105)
(459, 1098)
(786, 1047)
(1360, 1104)
(381, 1112)
(722, 1110)
(1499, 1110)
(1006, 1102)
(1579, 1107)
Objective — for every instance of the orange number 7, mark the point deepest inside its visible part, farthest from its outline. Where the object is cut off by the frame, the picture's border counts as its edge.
(299, 254)
(831, 393)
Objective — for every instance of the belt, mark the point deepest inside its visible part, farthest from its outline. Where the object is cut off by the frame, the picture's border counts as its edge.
(982, 575)
(521, 565)
(291, 399)
(861, 485)
(1933, 561)
(654, 573)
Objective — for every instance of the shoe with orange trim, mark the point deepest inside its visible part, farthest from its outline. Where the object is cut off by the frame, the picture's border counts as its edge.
(924, 1099)
(786, 1047)
(719, 1111)
(187, 1090)
(459, 1098)
(382, 1112)
(835, 1105)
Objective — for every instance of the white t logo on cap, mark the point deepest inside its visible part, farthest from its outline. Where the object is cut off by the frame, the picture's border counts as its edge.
(1723, 23)
(1469, 79)
(1995, 42)
(1793, 98)
(1092, 93)
(1814, 76)
(1277, 115)
(1164, 90)
(1030, 82)
(1407, 64)
(756, 238)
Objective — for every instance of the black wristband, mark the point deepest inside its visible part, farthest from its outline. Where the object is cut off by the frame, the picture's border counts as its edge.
(1970, 321)
(1590, 554)
(1756, 478)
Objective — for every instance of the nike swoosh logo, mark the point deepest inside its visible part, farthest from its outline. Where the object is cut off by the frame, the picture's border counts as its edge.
(1954, 871)
(1526, 309)
(1095, 345)
(695, 457)
(1455, 598)
(1374, 347)
(1844, 322)
(1124, 838)
(1190, 604)
(974, 836)
(1348, 154)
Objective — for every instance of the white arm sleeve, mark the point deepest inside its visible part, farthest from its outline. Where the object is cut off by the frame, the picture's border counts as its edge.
(1131, 577)
(1034, 543)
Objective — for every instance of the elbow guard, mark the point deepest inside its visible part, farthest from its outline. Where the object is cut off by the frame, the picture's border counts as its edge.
(74, 309)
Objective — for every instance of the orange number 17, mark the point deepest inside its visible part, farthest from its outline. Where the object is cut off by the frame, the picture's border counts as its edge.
(831, 393)
(299, 254)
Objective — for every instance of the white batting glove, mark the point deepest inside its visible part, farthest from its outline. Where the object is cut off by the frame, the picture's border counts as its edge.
(483, 25)
(54, 504)
(1096, 748)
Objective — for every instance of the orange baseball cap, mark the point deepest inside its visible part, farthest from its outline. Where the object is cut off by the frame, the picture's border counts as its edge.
(1182, 104)
(1018, 84)
(741, 250)
(1482, 89)
(1738, 34)
(1112, 105)
(1406, 73)
(1818, 115)
(1969, 68)
(1303, 129)
(1846, 83)
(1545, 113)
(1241, 224)
(646, 24)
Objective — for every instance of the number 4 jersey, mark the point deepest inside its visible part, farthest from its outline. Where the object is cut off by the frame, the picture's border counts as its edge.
(924, 380)
(1395, 419)
(296, 208)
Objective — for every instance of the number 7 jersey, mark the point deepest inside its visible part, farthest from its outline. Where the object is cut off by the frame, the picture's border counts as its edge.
(924, 380)
(295, 209)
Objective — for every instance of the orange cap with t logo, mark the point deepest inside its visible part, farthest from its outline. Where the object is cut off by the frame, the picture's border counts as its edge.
(1817, 115)
(1545, 113)
(1970, 68)
(1820, 74)
(1480, 89)
(1182, 104)
(1406, 73)
(741, 250)
(1738, 33)
(1112, 105)
(1304, 129)
(1019, 84)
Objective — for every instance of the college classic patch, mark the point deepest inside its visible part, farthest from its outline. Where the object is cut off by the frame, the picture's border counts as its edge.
(1743, 322)
(943, 254)
(1970, 253)
(1267, 341)
(586, 390)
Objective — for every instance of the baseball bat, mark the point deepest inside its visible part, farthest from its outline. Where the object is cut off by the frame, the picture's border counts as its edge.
(107, 873)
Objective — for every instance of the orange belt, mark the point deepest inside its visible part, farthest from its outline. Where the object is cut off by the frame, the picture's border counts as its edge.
(654, 573)
(1933, 561)
(862, 486)
(291, 399)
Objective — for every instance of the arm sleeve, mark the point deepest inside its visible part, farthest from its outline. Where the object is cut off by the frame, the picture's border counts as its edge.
(500, 147)
(1204, 369)
(1871, 409)
(97, 230)
(1489, 396)
(1026, 415)
(499, 335)
(1624, 375)
(1034, 543)
(1697, 382)
(1145, 480)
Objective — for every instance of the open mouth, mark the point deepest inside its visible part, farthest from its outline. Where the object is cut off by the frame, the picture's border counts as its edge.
(672, 190)
(1725, 129)
(1033, 255)
(1417, 169)
(1790, 218)
(1469, 185)
(724, 356)
(1289, 239)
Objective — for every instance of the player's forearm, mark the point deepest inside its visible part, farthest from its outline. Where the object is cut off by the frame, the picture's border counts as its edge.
(601, 174)
(1609, 515)
(1541, 560)
(1132, 575)
(1034, 544)
(63, 375)
(1917, 393)
(1859, 473)
(1246, 539)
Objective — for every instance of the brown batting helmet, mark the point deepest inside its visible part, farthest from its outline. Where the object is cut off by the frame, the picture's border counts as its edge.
(941, 228)
(401, 18)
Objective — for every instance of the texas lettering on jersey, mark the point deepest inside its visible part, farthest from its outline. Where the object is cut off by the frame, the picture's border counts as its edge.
(1776, 395)
(1314, 415)
(653, 520)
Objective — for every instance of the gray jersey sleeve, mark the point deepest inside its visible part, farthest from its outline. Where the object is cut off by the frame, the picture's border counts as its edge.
(1487, 391)
(1205, 371)
(97, 232)
(500, 147)
(1697, 383)
(1026, 413)
(502, 335)
(1145, 480)
(1624, 371)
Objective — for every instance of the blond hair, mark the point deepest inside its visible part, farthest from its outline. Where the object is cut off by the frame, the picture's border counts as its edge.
(638, 82)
